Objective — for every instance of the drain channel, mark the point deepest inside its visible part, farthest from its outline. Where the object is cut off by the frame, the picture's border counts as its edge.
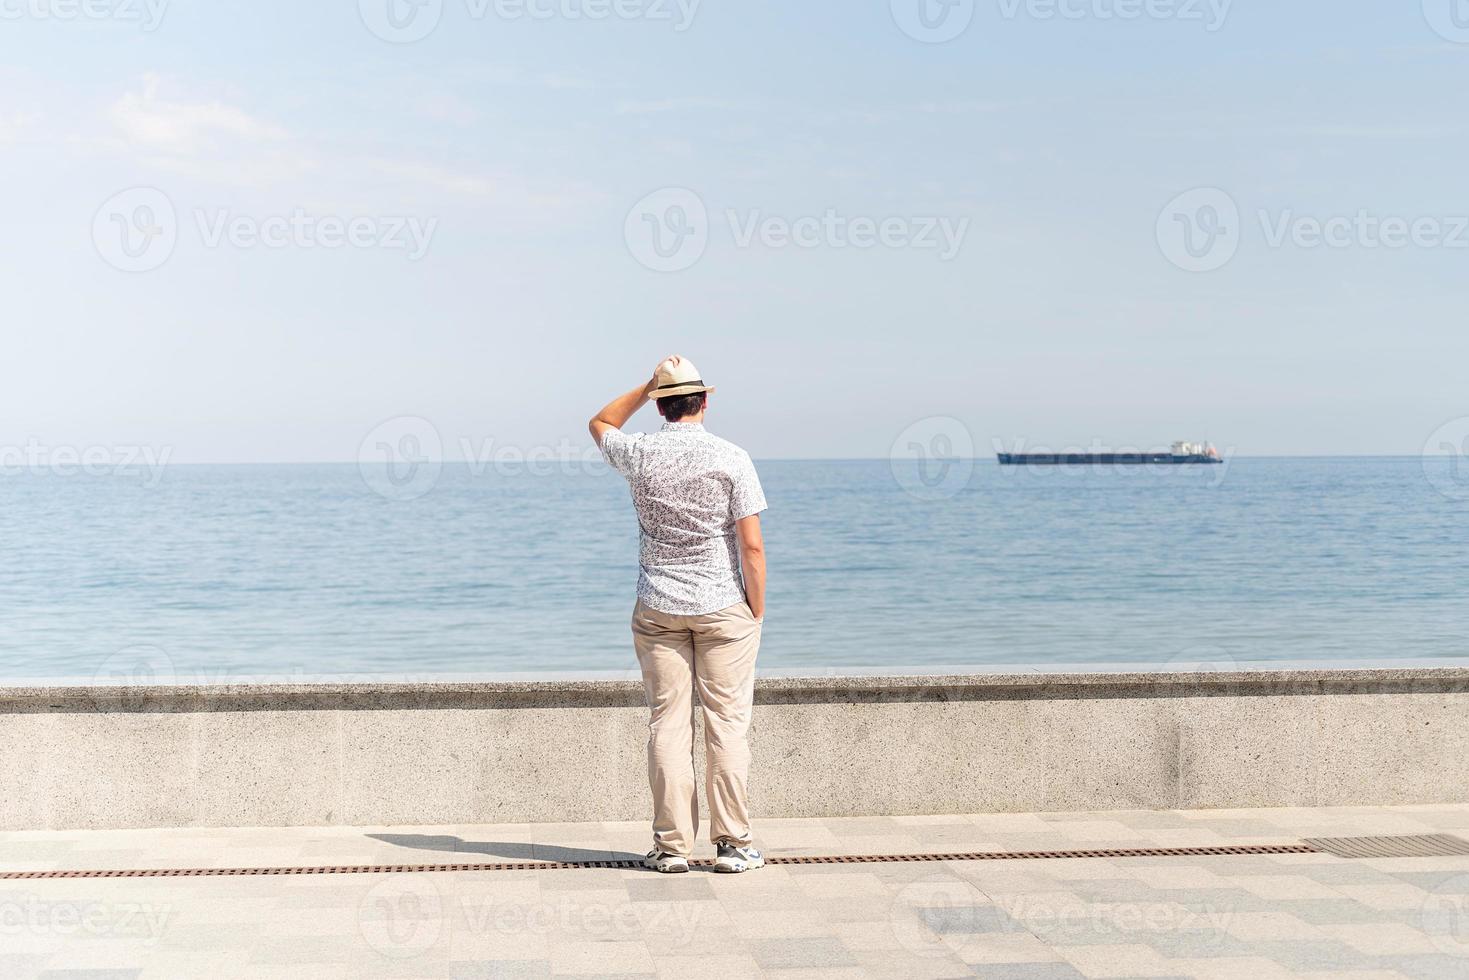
(1114, 852)
(1404, 845)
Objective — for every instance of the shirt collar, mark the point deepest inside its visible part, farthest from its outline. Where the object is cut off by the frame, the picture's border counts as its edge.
(682, 427)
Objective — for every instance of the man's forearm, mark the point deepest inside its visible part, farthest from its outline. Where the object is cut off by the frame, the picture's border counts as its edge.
(616, 412)
(752, 565)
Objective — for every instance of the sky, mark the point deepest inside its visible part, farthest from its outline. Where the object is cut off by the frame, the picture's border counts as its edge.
(250, 232)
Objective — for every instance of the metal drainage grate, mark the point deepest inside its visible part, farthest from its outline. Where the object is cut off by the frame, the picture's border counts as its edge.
(637, 863)
(1410, 845)
(1111, 852)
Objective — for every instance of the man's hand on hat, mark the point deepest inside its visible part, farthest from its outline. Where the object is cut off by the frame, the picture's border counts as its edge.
(672, 360)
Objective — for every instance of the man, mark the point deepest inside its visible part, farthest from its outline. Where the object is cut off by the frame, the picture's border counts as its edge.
(701, 604)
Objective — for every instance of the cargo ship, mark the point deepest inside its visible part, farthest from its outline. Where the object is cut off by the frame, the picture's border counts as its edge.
(1181, 453)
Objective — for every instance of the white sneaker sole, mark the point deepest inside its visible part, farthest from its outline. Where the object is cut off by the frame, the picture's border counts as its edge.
(737, 867)
(667, 869)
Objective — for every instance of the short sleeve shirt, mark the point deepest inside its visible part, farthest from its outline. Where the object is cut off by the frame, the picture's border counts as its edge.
(689, 488)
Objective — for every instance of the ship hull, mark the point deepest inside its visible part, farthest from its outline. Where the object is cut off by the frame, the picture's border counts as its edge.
(1105, 459)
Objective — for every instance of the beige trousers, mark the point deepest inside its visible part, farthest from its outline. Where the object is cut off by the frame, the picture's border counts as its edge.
(715, 655)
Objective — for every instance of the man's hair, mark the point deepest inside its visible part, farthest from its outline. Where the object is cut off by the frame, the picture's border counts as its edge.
(676, 407)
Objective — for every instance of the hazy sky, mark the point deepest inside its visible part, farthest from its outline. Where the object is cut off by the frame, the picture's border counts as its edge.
(871, 225)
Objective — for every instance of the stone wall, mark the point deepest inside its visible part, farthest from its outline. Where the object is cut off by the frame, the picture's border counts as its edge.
(472, 752)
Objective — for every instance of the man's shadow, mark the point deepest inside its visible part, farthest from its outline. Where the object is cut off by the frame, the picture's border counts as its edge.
(504, 850)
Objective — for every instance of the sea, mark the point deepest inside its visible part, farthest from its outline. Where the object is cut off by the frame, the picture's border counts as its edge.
(304, 573)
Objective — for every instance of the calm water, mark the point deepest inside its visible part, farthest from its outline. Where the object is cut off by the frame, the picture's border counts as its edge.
(304, 571)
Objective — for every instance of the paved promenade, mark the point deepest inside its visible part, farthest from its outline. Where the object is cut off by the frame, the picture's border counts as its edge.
(1258, 916)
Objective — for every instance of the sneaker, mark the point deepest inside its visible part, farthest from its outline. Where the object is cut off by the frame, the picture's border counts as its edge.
(735, 858)
(665, 863)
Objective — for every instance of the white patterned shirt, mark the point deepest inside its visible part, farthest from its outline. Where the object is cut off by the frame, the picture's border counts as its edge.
(689, 488)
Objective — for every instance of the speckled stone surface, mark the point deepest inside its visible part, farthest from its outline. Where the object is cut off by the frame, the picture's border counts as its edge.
(1212, 917)
(80, 756)
(831, 686)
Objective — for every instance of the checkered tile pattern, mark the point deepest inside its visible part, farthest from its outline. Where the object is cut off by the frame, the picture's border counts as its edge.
(1260, 917)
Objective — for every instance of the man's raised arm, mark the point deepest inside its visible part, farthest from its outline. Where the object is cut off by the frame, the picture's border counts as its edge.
(614, 414)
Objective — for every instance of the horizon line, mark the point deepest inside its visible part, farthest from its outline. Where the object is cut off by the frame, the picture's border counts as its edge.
(991, 457)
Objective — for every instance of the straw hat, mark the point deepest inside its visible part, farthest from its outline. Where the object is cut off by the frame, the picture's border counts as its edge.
(677, 377)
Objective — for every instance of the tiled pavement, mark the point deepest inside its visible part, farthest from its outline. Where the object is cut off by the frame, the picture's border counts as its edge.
(1261, 917)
